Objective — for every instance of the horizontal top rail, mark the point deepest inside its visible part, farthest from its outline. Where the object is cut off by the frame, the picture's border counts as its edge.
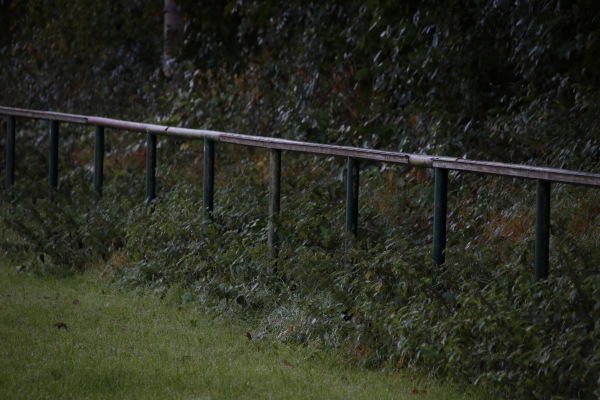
(418, 160)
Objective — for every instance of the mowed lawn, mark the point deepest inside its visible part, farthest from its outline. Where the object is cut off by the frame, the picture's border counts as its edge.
(80, 338)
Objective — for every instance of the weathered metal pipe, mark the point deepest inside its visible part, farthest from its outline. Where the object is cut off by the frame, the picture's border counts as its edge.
(419, 160)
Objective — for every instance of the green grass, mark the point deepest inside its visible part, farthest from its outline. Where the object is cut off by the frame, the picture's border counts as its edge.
(80, 338)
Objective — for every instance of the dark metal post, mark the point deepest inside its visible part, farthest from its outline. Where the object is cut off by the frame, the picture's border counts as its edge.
(274, 199)
(99, 160)
(542, 230)
(53, 164)
(10, 152)
(440, 200)
(208, 179)
(150, 168)
(352, 185)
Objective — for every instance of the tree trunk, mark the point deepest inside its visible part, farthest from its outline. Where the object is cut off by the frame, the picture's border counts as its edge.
(173, 36)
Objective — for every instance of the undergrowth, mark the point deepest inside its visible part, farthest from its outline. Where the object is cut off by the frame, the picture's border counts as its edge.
(480, 319)
(512, 82)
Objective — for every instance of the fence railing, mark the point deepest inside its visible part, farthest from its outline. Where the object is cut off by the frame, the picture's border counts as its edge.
(441, 165)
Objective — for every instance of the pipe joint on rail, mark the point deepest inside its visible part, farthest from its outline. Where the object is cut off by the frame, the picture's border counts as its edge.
(420, 160)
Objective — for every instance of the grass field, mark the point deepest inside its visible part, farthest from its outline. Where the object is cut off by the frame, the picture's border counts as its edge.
(81, 338)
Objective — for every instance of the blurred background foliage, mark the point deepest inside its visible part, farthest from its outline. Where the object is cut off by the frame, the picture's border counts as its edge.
(512, 81)
(502, 80)
(79, 56)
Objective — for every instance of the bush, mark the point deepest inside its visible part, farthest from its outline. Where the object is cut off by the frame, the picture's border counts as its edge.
(479, 320)
(506, 81)
(62, 236)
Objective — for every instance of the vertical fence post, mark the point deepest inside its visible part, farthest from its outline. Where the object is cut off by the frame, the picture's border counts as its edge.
(274, 199)
(542, 230)
(150, 168)
(352, 187)
(10, 153)
(208, 179)
(440, 200)
(53, 162)
(99, 160)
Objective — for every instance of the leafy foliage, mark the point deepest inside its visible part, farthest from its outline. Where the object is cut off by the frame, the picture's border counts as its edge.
(59, 237)
(509, 81)
(512, 82)
(83, 56)
(480, 320)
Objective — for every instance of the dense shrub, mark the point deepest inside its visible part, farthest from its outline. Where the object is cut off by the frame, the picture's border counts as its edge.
(509, 81)
(504, 81)
(59, 237)
(80, 57)
(479, 320)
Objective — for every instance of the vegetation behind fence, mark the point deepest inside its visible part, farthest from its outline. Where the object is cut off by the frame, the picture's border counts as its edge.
(503, 81)
(377, 294)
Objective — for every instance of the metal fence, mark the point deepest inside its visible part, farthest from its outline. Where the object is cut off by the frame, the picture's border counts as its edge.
(441, 165)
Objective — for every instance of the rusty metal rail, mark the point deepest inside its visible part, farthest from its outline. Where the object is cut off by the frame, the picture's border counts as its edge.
(543, 176)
